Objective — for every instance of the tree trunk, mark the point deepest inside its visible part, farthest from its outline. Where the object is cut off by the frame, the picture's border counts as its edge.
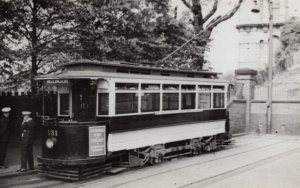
(33, 74)
(34, 50)
(197, 15)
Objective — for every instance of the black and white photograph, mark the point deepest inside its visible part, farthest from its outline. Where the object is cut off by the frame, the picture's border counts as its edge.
(149, 93)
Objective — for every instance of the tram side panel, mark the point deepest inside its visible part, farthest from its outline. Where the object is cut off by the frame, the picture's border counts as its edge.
(137, 122)
(69, 144)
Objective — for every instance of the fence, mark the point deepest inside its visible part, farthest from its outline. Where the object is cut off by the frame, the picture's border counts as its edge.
(21, 102)
(281, 91)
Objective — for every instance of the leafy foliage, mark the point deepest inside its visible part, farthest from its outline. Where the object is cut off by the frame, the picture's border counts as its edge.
(290, 43)
(37, 35)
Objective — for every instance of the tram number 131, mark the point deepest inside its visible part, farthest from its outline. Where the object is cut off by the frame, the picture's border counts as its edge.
(52, 133)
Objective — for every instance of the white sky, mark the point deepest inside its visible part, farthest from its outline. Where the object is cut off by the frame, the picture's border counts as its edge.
(223, 53)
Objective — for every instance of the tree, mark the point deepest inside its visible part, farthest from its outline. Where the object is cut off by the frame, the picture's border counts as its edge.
(30, 27)
(139, 31)
(199, 20)
(290, 40)
(37, 35)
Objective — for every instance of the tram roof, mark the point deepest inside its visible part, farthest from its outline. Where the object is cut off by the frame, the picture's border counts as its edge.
(125, 64)
(73, 70)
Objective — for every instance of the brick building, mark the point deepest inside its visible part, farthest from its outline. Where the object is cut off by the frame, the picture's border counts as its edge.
(254, 30)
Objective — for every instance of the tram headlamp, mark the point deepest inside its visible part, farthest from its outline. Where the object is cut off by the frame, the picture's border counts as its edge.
(50, 142)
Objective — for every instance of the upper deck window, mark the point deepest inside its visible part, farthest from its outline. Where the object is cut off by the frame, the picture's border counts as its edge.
(188, 101)
(204, 100)
(165, 73)
(218, 100)
(219, 88)
(122, 70)
(188, 87)
(145, 72)
(150, 102)
(204, 96)
(126, 103)
(218, 96)
(204, 88)
(134, 71)
(171, 97)
(170, 87)
(127, 86)
(170, 101)
(150, 87)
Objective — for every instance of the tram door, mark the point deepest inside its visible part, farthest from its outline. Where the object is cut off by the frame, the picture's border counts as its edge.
(84, 100)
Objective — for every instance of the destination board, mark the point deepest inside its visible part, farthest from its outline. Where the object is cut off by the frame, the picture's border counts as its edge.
(97, 141)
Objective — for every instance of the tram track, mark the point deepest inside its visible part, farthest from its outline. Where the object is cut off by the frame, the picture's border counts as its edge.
(133, 171)
(222, 176)
(132, 175)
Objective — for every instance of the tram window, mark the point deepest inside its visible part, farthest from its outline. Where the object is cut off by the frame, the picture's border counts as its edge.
(170, 101)
(187, 87)
(188, 101)
(190, 75)
(126, 103)
(127, 86)
(64, 104)
(204, 87)
(134, 71)
(102, 103)
(150, 86)
(150, 102)
(145, 72)
(165, 73)
(170, 87)
(218, 100)
(204, 100)
(218, 88)
(122, 70)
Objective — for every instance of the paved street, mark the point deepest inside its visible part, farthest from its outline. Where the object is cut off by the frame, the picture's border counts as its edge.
(253, 161)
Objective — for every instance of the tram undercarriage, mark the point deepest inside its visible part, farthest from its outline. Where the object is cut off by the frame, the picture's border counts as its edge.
(161, 152)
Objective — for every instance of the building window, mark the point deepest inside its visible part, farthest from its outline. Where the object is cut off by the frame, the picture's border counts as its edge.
(64, 104)
(126, 103)
(103, 104)
(150, 102)
(170, 101)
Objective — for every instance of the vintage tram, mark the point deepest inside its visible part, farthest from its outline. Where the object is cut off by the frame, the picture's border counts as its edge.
(117, 113)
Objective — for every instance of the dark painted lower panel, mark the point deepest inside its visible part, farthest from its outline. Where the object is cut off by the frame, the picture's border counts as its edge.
(127, 123)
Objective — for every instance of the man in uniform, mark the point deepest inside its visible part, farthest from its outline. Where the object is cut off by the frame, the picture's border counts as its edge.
(4, 135)
(27, 130)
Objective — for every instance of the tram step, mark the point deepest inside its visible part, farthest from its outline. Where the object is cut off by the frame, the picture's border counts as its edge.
(74, 172)
(116, 170)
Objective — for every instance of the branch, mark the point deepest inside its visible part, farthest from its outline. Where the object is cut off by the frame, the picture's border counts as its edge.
(212, 11)
(213, 23)
(57, 37)
(186, 4)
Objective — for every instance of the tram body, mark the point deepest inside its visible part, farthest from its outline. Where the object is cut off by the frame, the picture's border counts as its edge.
(119, 113)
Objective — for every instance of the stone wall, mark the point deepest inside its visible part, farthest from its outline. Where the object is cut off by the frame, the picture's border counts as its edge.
(285, 117)
(237, 116)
